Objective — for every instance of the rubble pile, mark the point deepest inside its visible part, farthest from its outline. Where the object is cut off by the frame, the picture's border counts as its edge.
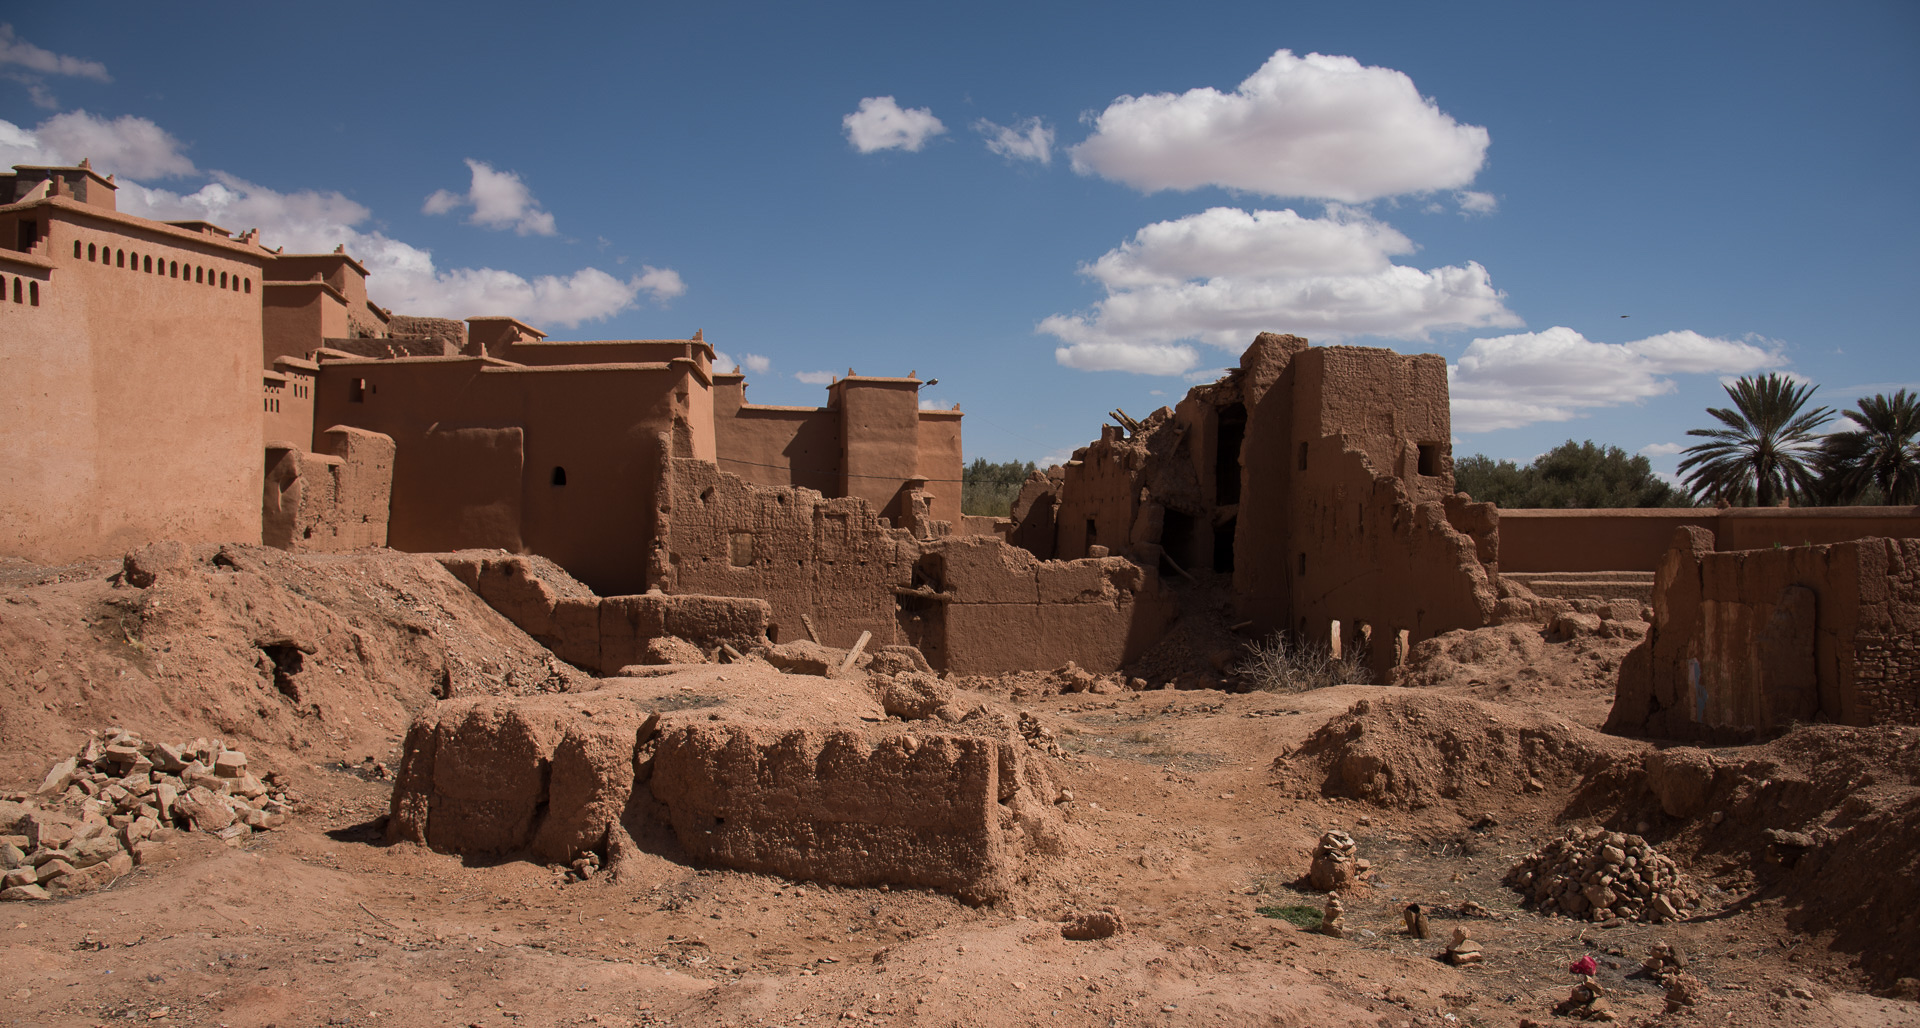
(1039, 736)
(91, 819)
(1601, 875)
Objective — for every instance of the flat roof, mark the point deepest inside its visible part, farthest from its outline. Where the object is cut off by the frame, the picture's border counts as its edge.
(60, 203)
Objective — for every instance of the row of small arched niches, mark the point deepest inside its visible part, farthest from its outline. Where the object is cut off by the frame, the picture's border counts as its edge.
(172, 269)
(24, 291)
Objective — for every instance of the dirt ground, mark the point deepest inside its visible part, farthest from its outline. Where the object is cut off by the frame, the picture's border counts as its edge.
(1197, 808)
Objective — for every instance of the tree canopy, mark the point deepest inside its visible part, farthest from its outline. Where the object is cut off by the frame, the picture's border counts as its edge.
(990, 489)
(1569, 475)
(1766, 450)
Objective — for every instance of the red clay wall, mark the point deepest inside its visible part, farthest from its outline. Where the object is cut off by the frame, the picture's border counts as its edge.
(801, 552)
(564, 462)
(330, 501)
(1002, 610)
(1636, 540)
(130, 407)
(1752, 641)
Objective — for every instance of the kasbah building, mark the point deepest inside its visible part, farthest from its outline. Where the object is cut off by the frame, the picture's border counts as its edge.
(175, 381)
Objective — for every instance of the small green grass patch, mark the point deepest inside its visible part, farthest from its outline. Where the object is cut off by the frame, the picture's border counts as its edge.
(1299, 915)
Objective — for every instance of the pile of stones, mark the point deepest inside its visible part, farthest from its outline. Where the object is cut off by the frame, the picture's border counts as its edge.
(1600, 875)
(96, 813)
(1336, 866)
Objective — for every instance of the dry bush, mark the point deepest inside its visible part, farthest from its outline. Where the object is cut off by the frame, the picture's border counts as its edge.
(1275, 665)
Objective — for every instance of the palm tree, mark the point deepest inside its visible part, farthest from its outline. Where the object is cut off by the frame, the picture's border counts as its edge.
(1767, 451)
(1882, 454)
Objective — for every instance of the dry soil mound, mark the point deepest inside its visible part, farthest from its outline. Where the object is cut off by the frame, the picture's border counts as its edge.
(290, 650)
(1826, 817)
(1417, 750)
(1578, 650)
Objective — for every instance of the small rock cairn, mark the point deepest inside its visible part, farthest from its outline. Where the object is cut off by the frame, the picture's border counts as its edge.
(1601, 875)
(1335, 866)
(91, 819)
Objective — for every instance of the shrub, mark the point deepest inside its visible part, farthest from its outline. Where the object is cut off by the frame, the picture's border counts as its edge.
(1275, 665)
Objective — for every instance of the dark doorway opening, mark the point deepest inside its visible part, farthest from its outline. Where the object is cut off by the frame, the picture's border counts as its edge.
(1230, 433)
(1223, 546)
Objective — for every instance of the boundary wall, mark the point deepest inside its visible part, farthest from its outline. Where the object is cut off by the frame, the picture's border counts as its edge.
(1637, 540)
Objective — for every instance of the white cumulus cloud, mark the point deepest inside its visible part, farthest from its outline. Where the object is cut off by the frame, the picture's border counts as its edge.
(881, 124)
(1221, 276)
(1554, 375)
(1315, 126)
(498, 199)
(126, 145)
(1029, 140)
(401, 276)
(662, 284)
(818, 378)
(1662, 449)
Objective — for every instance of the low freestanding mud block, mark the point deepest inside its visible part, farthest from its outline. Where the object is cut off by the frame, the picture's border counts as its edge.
(857, 802)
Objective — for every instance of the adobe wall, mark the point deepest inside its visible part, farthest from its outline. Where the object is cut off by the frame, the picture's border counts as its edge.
(564, 462)
(1749, 642)
(879, 439)
(1385, 404)
(828, 559)
(1636, 540)
(1372, 559)
(940, 463)
(130, 410)
(989, 607)
(332, 500)
(287, 402)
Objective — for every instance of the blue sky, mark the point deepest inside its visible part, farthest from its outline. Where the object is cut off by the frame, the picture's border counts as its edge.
(1497, 183)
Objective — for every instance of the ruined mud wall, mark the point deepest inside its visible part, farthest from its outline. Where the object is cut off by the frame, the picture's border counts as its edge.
(1752, 641)
(329, 501)
(804, 554)
(1379, 564)
(1637, 540)
(962, 808)
(989, 607)
(601, 634)
(1347, 514)
(971, 604)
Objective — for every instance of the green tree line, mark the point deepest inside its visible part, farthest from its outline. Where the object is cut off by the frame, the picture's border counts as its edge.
(989, 489)
(1767, 449)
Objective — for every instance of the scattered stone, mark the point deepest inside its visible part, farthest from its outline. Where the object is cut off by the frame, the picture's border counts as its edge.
(1333, 868)
(1587, 1002)
(1462, 950)
(1099, 924)
(1416, 919)
(1598, 875)
(1665, 961)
